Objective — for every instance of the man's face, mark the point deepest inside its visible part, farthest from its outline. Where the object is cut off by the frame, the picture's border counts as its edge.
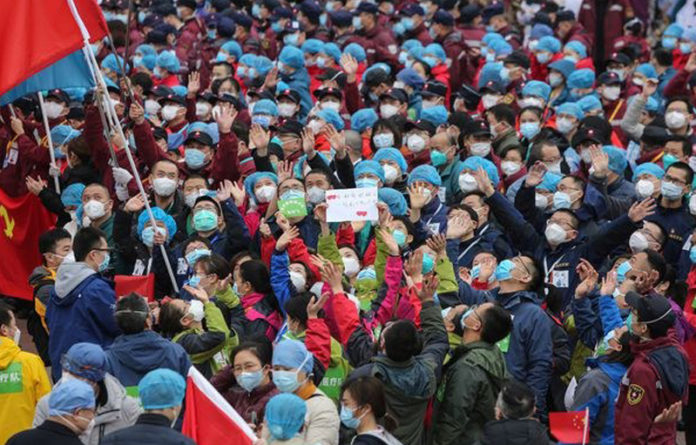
(10, 329)
(476, 203)
(675, 148)
(291, 142)
(678, 177)
(642, 272)
(566, 222)
(220, 71)
(290, 184)
(441, 142)
(62, 248)
(97, 193)
(317, 180)
(165, 170)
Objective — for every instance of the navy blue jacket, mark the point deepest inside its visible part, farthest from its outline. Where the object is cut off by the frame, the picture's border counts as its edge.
(488, 238)
(678, 223)
(148, 429)
(433, 220)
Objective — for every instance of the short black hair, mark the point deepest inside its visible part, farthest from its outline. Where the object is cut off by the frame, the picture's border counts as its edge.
(684, 99)
(685, 143)
(256, 273)
(466, 208)
(49, 239)
(516, 400)
(663, 56)
(686, 169)
(194, 238)
(5, 314)
(571, 214)
(86, 240)
(215, 265)
(402, 341)
(316, 171)
(165, 161)
(658, 263)
(503, 113)
(144, 80)
(296, 307)
(496, 324)
(261, 348)
(131, 313)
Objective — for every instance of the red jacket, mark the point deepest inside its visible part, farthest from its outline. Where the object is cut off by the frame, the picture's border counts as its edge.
(380, 46)
(614, 17)
(243, 402)
(420, 33)
(641, 399)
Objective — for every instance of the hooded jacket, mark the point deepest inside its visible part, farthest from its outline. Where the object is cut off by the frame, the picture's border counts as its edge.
(117, 412)
(250, 405)
(42, 279)
(23, 381)
(80, 309)
(132, 356)
(468, 393)
(515, 432)
(149, 429)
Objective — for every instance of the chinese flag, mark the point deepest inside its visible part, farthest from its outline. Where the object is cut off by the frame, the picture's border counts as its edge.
(22, 220)
(209, 419)
(571, 427)
(143, 285)
(37, 33)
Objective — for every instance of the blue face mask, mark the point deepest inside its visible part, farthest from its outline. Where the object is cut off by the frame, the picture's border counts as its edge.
(622, 270)
(194, 281)
(131, 142)
(431, 61)
(428, 263)
(205, 220)
(194, 158)
(264, 121)
(669, 42)
(543, 58)
(685, 48)
(399, 29)
(211, 34)
(148, 236)
(504, 270)
(256, 10)
(58, 153)
(363, 183)
(105, 262)
(138, 61)
(408, 23)
(629, 323)
(529, 129)
(276, 28)
(357, 24)
(561, 200)
(399, 237)
(437, 158)
(475, 271)
(490, 57)
(222, 57)
(671, 191)
(403, 57)
(195, 255)
(348, 418)
(322, 19)
(241, 71)
(668, 160)
(692, 254)
(286, 381)
(250, 380)
(290, 39)
(292, 194)
(490, 28)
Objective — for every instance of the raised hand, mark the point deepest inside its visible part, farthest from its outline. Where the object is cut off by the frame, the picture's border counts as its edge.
(226, 118)
(34, 185)
(336, 139)
(271, 79)
(286, 238)
(282, 222)
(439, 244)
(600, 162)
(17, 126)
(284, 171)
(608, 284)
(238, 193)
(649, 88)
(388, 239)
(259, 136)
(320, 212)
(458, 227)
(198, 293)
(639, 210)
(315, 305)
(418, 197)
(535, 174)
(331, 274)
(224, 191)
(588, 276)
(159, 238)
(690, 66)
(671, 414)
(135, 204)
(308, 143)
(349, 65)
(265, 229)
(136, 113)
(413, 268)
(427, 291)
(194, 84)
(484, 183)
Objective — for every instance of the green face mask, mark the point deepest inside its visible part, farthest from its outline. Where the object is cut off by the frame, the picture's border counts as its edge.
(205, 220)
(629, 323)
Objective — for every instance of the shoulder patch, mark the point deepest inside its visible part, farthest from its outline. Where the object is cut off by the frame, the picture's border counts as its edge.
(635, 394)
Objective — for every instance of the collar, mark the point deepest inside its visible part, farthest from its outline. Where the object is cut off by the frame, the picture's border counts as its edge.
(58, 428)
(307, 390)
(154, 419)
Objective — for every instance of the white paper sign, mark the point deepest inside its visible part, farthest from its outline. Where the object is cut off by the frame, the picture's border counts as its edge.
(351, 205)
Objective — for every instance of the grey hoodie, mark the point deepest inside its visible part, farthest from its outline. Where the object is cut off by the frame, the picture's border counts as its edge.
(69, 275)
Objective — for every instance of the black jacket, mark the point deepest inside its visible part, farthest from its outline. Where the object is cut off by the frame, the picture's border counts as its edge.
(148, 430)
(515, 432)
(48, 432)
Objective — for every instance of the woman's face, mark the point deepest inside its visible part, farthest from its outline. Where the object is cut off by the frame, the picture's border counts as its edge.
(246, 361)
(348, 253)
(208, 281)
(298, 268)
(513, 156)
(529, 116)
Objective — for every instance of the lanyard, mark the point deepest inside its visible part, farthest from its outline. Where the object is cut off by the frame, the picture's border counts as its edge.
(468, 248)
(548, 271)
(439, 206)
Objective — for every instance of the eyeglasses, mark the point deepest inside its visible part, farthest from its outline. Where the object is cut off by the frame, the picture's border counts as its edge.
(673, 180)
(521, 261)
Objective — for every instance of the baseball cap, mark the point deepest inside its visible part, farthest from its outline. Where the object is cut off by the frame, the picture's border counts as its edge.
(653, 309)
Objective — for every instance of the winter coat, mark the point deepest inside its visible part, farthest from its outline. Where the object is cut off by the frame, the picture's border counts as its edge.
(42, 281)
(321, 422)
(148, 429)
(118, 411)
(380, 436)
(131, 356)
(80, 309)
(49, 432)
(250, 405)
(23, 381)
(468, 393)
(515, 432)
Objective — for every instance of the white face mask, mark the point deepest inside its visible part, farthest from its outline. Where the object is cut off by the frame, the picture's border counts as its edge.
(555, 234)
(315, 125)
(202, 109)
(644, 188)
(94, 209)
(164, 186)
(510, 167)
(692, 204)
(391, 174)
(586, 155)
(331, 105)
(554, 167)
(480, 149)
(169, 112)
(564, 125)
(53, 109)
(540, 201)
(530, 102)
(489, 100)
(265, 193)
(286, 109)
(415, 143)
(196, 310)
(638, 242)
(316, 195)
(17, 336)
(611, 93)
(467, 183)
(69, 258)
(298, 281)
(383, 140)
(190, 199)
(428, 104)
(351, 266)
(152, 107)
(675, 120)
(388, 110)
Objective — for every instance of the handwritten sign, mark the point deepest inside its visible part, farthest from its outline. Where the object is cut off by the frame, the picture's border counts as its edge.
(292, 208)
(352, 205)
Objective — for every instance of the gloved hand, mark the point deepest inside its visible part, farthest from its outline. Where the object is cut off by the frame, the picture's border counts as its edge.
(122, 192)
(121, 175)
(54, 170)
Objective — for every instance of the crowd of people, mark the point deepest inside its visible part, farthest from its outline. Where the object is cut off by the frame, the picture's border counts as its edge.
(532, 253)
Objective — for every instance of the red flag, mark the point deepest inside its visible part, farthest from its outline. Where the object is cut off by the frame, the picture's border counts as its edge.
(209, 419)
(570, 427)
(140, 284)
(37, 33)
(22, 220)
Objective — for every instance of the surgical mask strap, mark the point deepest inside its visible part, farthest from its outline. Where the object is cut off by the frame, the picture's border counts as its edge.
(658, 318)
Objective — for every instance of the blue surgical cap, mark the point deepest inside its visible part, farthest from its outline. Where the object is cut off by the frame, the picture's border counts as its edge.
(285, 415)
(500, 47)
(266, 106)
(410, 77)
(537, 88)
(651, 105)
(369, 166)
(578, 47)
(146, 50)
(70, 396)
(673, 30)
(436, 115)
(312, 46)
(435, 49)
(648, 168)
(571, 108)
(363, 119)
(248, 59)
(161, 388)
(539, 31)
(62, 134)
(180, 90)
(160, 215)
(563, 66)
(86, 360)
(198, 126)
(293, 354)
(332, 50)
(583, 78)
(232, 48)
(252, 179)
(149, 61)
(490, 72)
(72, 195)
(292, 57)
(589, 103)
(391, 154)
(357, 51)
(262, 65)
(382, 66)
(168, 61)
(425, 173)
(647, 70)
(689, 34)
(474, 162)
(394, 199)
(617, 159)
(113, 63)
(411, 43)
(550, 44)
(550, 181)
(331, 117)
(490, 37)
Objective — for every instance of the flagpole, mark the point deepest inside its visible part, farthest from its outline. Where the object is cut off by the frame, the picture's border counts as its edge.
(54, 166)
(586, 427)
(111, 111)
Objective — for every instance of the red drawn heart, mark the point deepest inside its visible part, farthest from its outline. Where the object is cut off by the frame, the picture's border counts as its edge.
(361, 213)
(330, 197)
